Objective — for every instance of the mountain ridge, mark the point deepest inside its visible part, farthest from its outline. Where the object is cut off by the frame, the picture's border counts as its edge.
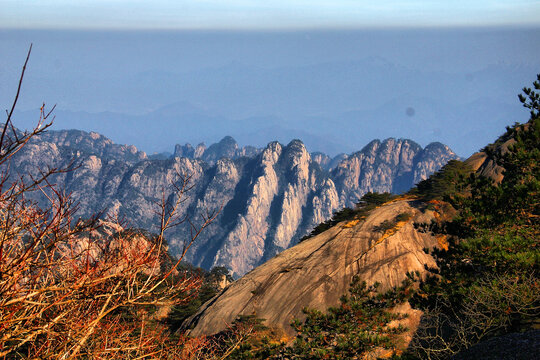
(270, 197)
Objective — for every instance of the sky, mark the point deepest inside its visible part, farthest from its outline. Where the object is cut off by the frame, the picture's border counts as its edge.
(264, 14)
(264, 70)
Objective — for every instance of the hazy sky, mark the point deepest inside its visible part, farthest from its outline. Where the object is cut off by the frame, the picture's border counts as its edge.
(264, 14)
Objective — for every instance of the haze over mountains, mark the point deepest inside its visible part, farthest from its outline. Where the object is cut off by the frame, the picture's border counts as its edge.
(335, 90)
(269, 197)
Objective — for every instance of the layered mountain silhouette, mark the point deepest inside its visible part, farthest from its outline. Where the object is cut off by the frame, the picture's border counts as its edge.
(269, 197)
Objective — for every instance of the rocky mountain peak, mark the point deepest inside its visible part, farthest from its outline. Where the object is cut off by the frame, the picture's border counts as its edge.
(225, 148)
(437, 147)
(370, 148)
(228, 141)
(199, 151)
(434, 155)
(272, 152)
(296, 145)
(91, 143)
(184, 151)
(320, 158)
(296, 157)
(326, 162)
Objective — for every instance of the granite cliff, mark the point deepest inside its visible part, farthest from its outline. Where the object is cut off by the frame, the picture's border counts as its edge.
(269, 198)
(318, 271)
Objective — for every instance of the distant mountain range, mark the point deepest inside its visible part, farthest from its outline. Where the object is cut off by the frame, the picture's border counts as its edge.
(335, 106)
(270, 196)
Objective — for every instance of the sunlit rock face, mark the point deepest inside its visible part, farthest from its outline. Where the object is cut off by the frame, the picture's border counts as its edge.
(388, 166)
(267, 198)
(318, 271)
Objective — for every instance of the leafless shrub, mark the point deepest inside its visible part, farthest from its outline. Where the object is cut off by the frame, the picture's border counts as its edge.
(67, 290)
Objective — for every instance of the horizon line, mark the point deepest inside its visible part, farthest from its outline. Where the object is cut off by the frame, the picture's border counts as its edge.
(284, 29)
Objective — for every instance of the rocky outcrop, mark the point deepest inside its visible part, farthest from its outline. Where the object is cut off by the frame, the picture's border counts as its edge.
(279, 196)
(326, 162)
(268, 198)
(226, 148)
(388, 166)
(244, 245)
(92, 144)
(318, 271)
(430, 159)
(487, 161)
(184, 151)
(484, 162)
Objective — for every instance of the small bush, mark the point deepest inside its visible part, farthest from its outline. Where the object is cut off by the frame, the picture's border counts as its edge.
(376, 199)
(384, 226)
(444, 183)
(367, 203)
(403, 217)
(390, 224)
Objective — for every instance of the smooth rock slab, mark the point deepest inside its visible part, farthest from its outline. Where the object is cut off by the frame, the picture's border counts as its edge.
(318, 271)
